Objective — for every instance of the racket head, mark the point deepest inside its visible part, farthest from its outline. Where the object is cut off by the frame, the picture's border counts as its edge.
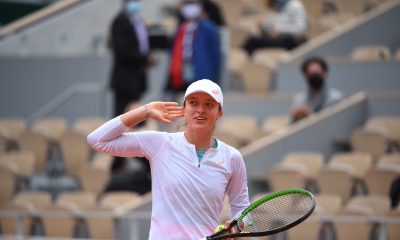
(272, 214)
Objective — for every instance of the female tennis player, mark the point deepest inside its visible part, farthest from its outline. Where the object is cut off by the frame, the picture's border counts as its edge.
(191, 170)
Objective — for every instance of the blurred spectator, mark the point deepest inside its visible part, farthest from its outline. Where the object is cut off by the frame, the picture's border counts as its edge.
(284, 27)
(395, 193)
(211, 11)
(318, 94)
(196, 52)
(130, 46)
(135, 180)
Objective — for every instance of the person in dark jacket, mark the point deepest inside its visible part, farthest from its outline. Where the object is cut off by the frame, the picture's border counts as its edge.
(130, 47)
(131, 59)
(395, 193)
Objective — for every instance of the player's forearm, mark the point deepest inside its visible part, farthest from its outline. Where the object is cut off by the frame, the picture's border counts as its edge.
(107, 132)
(111, 138)
(135, 116)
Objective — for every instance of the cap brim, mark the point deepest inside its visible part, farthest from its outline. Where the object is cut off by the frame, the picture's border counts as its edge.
(202, 91)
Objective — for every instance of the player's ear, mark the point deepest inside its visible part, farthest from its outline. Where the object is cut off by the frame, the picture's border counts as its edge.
(220, 114)
(184, 110)
(184, 107)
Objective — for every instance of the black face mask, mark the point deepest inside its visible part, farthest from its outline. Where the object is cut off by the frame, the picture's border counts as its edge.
(316, 81)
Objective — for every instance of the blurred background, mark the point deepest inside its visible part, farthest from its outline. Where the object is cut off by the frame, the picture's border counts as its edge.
(56, 64)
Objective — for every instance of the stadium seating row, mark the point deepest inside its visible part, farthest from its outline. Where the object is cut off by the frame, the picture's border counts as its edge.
(360, 218)
(377, 136)
(345, 175)
(72, 214)
(256, 74)
(16, 172)
(323, 14)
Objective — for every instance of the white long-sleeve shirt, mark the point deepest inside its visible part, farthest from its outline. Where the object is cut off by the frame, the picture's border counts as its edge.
(187, 198)
(292, 19)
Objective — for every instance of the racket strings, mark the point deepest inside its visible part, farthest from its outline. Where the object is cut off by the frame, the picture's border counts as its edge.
(278, 212)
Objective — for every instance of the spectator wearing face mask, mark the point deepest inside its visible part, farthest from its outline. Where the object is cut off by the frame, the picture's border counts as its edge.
(318, 94)
(283, 27)
(195, 52)
(129, 43)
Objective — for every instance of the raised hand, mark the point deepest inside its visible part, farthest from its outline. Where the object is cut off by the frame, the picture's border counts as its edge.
(164, 111)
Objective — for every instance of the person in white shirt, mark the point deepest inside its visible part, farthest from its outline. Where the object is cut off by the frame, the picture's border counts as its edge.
(192, 171)
(284, 27)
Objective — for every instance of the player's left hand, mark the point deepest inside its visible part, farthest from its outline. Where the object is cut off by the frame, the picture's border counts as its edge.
(233, 230)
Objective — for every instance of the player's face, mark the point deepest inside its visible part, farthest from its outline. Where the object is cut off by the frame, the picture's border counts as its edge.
(201, 111)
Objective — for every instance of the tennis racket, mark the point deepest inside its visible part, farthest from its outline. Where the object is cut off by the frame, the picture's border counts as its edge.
(271, 214)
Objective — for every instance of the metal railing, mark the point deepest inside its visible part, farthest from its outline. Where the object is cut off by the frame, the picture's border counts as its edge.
(37, 16)
(68, 94)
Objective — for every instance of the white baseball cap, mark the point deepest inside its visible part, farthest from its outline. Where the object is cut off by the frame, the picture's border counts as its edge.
(206, 86)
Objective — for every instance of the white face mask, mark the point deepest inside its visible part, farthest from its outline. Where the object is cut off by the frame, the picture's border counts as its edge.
(191, 11)
(134, 7)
